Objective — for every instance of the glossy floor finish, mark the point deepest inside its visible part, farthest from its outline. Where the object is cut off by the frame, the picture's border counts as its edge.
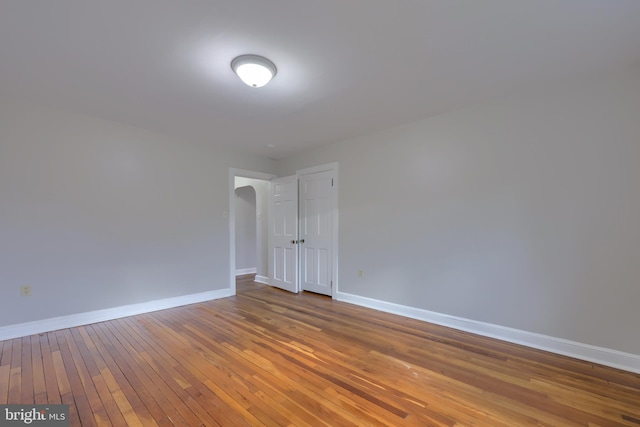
(267, 357)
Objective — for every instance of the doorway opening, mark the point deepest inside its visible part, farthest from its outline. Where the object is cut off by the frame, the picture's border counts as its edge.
(248, 195)
(248, 230)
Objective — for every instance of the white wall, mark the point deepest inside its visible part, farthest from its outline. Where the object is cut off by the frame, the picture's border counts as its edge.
(523, 212)
(261, 188)
(246, 237)
(96, 215)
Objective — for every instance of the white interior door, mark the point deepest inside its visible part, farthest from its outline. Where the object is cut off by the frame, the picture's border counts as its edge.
(316, 231)
(283, 233)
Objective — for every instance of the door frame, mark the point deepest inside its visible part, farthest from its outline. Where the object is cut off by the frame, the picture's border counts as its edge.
(335, 234)
(233, 173)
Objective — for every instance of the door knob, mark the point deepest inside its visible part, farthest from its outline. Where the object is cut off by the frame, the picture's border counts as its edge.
(293, 242)
(301, 240)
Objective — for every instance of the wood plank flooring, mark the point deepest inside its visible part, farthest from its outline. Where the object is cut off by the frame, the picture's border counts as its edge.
(269, 358)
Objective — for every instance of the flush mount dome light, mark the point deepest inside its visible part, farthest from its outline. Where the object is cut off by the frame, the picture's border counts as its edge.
(254, 70)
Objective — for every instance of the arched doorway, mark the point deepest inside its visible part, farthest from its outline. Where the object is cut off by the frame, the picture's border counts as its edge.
(246, 231)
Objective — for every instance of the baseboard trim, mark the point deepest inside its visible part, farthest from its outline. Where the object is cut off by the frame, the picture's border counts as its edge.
(63, 322)
(241, 271)
(604, 356)
(261, 279)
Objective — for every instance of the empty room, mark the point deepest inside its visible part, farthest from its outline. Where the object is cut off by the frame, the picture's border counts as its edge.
(321, 213)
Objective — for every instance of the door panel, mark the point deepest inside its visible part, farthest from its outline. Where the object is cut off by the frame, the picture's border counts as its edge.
(283, 233)
(316, 232)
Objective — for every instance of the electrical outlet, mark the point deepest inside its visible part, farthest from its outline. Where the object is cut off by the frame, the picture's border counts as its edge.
(361, 273)
(25, 291)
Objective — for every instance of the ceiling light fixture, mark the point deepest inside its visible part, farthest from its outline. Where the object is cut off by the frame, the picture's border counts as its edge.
(254, 70)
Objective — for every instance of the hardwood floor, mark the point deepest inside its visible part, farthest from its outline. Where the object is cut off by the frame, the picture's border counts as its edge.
(267, 357)
(247, 282)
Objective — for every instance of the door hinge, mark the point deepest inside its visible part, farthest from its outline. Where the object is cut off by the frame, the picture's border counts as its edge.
(332, 182)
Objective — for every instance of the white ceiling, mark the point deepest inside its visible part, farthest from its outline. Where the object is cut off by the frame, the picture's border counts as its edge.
(345, 67)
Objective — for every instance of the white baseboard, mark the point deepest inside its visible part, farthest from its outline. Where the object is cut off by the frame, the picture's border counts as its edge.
(56, 323)
(262, 279)
(241, 271)
(604, 356)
